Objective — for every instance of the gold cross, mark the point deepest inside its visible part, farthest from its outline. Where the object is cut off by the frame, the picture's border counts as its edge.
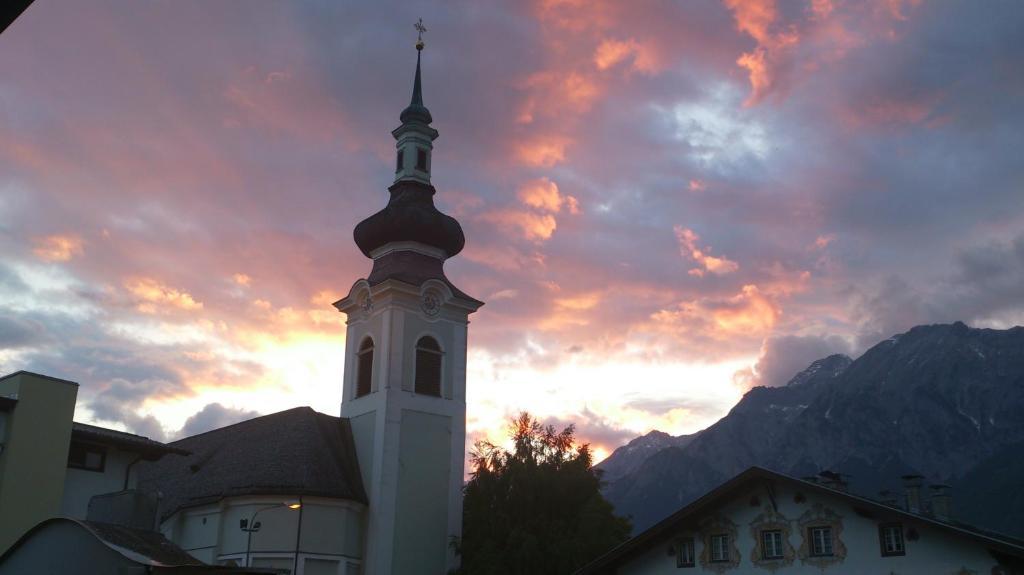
(420, 29)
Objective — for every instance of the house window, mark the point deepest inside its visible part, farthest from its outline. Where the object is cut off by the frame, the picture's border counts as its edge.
(821, 541)
(421, 159)
(428, 367)
(685, 556)
(87, 457)
(771, 544)
(890, 536)
(720, 548)
(364, 367)
(400, 161)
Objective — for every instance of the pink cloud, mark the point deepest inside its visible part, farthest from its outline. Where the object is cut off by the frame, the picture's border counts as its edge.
(689, 248)
(58, 248)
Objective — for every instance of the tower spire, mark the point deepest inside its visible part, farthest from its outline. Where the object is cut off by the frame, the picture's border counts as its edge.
(417, 90)
(416, 112)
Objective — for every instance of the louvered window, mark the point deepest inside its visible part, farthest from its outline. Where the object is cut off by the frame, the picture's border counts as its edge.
(364, 367)
(428, 366)
(421, 160)
(399, 162)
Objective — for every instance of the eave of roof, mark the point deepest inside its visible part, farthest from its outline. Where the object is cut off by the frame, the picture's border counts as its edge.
(143, 547)
(709, 499)
(43, 376)
(144, 446)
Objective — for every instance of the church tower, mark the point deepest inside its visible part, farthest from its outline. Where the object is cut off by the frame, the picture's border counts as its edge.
(405, 365)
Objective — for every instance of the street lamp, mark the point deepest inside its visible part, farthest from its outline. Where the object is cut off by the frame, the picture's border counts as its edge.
(250, 525)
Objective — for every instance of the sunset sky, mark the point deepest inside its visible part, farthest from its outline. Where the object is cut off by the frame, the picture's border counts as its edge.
(665, 203)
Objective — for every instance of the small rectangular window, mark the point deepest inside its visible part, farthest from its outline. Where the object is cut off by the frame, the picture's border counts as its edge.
(87, 457)
(771, 544)
(821, 541)
(720, 548)
(400, 161)
(686, 557)
(421, 160)
(890, 537)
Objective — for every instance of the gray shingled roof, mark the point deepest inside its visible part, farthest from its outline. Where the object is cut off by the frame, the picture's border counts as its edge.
(144, 547)
(147, 547)
(293, 452)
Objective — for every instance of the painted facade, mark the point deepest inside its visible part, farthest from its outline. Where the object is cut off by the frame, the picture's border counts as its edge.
(775, 524)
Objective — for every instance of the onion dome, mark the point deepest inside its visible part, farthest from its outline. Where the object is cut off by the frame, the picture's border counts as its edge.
(410, 215)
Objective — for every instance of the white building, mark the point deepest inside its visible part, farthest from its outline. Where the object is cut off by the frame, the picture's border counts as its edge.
(765, 522)
(377, 491)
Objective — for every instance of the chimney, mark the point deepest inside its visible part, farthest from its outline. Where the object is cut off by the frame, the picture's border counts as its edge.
(887, 497)
(941, 502)
(833, 480)
(912, 488)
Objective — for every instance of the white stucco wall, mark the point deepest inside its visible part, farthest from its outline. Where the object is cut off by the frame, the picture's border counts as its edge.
(413, 472)
(421, 535)
(81, 485)
(934, 552)
(330, 532)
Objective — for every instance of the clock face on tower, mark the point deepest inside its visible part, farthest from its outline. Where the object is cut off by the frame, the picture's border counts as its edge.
(430, 303)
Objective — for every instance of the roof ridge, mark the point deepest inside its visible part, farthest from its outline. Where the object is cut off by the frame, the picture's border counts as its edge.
(244, 421)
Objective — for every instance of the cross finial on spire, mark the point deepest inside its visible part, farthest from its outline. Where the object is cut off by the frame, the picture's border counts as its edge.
(420, 29)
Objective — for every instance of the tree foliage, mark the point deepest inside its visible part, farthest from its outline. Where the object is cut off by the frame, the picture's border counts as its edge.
(536, 509)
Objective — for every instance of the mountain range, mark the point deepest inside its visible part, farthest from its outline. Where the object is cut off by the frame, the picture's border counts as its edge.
(943, 401)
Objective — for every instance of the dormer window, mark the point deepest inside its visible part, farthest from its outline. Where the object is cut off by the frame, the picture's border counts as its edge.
(421, 159)
(428, 367)
(364, 367)
(400, 161)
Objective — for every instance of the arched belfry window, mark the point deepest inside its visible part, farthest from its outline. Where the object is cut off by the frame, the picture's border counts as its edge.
(428, 366)
(364, 367)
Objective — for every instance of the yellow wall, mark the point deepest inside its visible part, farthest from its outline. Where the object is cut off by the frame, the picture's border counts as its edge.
(34, 458)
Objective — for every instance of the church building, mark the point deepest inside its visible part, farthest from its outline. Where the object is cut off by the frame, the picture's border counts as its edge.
(377, 491)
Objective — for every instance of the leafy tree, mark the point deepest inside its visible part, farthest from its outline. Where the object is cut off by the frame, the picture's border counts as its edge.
(537, 509)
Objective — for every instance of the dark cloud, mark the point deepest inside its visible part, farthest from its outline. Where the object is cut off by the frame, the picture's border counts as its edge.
(592, 428)
(782, 357)
(214, 416)
(696, 408)
(17, 332)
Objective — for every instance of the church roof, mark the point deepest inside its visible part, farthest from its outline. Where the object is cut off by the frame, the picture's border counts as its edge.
(410, 216)
(293, 452)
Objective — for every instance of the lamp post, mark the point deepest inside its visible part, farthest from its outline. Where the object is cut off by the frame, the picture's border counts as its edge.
(251, 525)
